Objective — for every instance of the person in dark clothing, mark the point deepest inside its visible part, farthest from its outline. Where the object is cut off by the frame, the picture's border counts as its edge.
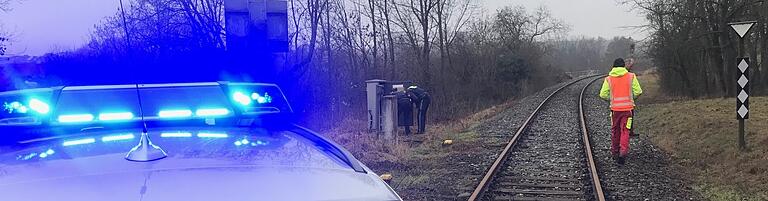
(422, 100)
(404, 111)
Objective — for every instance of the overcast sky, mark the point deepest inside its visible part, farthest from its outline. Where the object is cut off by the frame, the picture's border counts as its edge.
(603, 18)
(41, 26)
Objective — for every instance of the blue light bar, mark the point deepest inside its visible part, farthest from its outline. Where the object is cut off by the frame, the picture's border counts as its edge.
(39, 106)
(175, 134)
(174, 113)
(212, 135)
(50, 151)
(212, 112)
(115, 116)
(117, 137)
(78, 142)
(75, 118)
(241, 98)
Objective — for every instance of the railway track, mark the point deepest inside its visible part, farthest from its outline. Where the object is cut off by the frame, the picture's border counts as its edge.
(549, 157)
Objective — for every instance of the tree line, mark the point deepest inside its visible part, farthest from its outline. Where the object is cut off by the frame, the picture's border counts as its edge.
(695, 49)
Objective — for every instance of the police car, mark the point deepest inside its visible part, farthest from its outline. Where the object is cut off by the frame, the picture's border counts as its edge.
(185, 141)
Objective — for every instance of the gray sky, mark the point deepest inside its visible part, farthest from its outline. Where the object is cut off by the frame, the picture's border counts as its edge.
(41, 26)
(586, 17)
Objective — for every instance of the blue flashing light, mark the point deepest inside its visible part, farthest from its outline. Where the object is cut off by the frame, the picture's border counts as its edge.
(212, 135)
(78, 142)
(174, 113)
(117, 137)
(115, 116)
(241, 98)
(22, 109)
(43, 155)
(50, 151)
(261, 99)
(15, 107)
(212, 112)
(238, 143)
(75, 118)
(245, 141)
(176, 134)
(26, 157)
(39, 106)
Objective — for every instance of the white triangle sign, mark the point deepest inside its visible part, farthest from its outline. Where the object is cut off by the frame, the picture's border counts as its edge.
(742, 29)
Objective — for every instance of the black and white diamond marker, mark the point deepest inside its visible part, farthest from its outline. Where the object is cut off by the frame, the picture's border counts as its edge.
(743, 81)
(742, 98)
(743, 111)
(743, 65)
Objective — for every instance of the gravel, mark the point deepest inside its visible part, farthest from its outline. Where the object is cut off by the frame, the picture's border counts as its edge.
(452, 172)
(507, 122)
(649, 173)
(551, 148)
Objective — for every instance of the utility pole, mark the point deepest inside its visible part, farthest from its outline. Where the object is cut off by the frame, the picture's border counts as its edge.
(742, 98)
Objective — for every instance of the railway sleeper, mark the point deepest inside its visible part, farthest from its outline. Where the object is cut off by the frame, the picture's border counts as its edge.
(527, 198)
(541, 185)
(540, 192)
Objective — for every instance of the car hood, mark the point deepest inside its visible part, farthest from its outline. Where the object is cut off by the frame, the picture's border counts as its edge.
(204, 170)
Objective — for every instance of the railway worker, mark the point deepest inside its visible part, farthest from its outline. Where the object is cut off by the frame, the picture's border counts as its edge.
(404, 110)
(621, 88)
(422, 99)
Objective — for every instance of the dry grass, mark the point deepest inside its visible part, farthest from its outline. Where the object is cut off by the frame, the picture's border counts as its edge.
(702, 136)
(366, 146)
(652, 93)
(423, 168)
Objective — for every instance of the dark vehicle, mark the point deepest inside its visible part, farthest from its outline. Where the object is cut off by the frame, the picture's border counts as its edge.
(191, 141)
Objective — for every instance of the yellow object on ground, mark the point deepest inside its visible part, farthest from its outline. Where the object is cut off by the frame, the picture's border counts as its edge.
(447, 142)
(386, 177)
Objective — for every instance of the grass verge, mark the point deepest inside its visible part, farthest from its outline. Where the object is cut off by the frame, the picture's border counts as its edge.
(701, 135)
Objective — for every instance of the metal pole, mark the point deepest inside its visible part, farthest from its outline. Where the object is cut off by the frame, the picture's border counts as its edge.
(742, 142)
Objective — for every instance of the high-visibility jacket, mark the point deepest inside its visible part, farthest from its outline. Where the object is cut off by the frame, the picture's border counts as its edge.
(621, 88)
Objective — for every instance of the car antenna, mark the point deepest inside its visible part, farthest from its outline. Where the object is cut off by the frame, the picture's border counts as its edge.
(145, 151)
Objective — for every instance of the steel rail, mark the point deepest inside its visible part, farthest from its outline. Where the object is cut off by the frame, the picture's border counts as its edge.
(487, 179)
(597, 187)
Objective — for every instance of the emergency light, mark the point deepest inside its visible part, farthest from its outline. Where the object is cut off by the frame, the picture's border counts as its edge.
(30, 106)
(111, 104)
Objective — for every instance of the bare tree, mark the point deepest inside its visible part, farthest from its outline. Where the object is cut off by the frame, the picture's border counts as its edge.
(314, 9)
(5, 5)
(693, 45)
